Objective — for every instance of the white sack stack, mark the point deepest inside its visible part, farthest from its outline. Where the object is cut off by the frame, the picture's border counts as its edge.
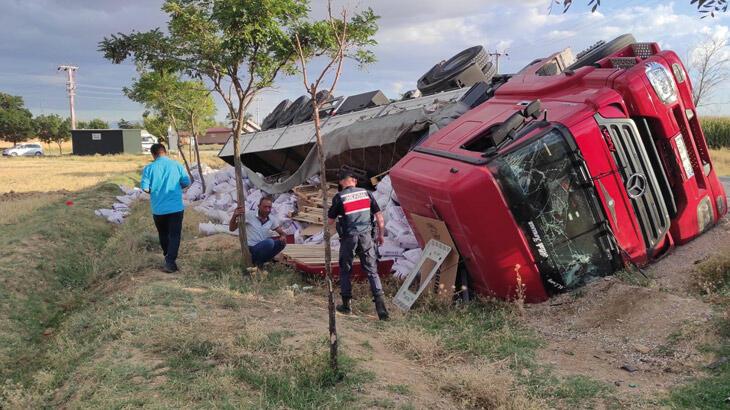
(120, 209)
(299, 212)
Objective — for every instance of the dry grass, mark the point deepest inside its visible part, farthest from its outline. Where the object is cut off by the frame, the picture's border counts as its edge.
(417, 345)
(15, 209)
(721, 161)
(73, 173)
(67, 172)
(482, 386)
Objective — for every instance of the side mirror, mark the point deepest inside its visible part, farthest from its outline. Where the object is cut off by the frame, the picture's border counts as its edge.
(532, 110)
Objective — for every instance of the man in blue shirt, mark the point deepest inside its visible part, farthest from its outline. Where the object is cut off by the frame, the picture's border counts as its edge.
(164, 179)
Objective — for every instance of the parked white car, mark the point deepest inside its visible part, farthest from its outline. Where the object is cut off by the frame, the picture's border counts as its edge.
(147, 141)
(24, 150)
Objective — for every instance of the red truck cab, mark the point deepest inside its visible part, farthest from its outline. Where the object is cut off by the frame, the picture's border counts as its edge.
(565, 176)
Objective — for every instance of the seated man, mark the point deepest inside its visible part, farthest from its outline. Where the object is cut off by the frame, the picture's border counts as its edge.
(259, 225)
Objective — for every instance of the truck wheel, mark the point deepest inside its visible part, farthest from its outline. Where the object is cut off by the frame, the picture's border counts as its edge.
(38, 154)
(440, 76)
(306, 112)
(287, 117)
(270, 120)
(601, 50)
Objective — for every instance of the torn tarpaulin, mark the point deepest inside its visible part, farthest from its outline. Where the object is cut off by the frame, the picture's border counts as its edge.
(373, 132)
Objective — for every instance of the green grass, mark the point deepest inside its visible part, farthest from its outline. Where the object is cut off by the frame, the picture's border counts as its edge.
(486, 329)
(712, 278)
(51, 257)
(717, 131)
(115, 341)
(713, 389)
(306, 383)
(402, 389)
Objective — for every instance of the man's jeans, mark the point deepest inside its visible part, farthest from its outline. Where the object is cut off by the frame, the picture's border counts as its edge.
(169, 229)
(366, 252)
(265, 250)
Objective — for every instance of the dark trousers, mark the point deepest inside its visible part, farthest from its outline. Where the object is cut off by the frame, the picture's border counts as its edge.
(265, 250)
(169, 228)
(362, 244)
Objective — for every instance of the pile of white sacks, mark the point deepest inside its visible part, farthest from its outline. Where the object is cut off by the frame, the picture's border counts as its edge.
(218, 201)
(120, 209)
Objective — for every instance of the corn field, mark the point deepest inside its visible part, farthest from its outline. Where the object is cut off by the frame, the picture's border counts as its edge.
(717, 131)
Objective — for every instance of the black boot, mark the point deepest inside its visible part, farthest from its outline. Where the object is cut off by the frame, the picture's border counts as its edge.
(344, 308)
(380, 307)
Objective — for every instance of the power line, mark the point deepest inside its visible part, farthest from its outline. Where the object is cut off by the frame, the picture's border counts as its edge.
(101, 87)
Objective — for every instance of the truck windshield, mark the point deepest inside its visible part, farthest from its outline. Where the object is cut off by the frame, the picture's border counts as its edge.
(557, 212)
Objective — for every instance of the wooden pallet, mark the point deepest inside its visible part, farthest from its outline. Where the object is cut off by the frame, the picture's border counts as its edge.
(310, 195)
(309, 217)
(307, 254)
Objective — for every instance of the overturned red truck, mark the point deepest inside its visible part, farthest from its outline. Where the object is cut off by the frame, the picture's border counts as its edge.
(568, 173)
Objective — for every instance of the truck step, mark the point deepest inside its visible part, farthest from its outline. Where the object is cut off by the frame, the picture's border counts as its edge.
(643, 50)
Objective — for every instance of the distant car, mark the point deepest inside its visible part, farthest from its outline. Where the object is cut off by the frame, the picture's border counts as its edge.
(147, 141)
(29, 150)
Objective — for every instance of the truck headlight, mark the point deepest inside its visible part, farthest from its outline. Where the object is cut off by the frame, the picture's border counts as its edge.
(704, 214)
(661, 80)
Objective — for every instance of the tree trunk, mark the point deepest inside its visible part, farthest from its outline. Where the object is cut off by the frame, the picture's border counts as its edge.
(240, 191)
(194, 134)
(179, 148)
(327, 236)
(60, 150)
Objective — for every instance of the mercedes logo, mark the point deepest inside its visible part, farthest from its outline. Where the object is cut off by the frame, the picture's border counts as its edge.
(636, 185)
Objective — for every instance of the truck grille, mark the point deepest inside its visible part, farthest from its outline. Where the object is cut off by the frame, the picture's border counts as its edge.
(638, 176)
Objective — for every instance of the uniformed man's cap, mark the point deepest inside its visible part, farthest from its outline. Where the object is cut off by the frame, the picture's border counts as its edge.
(346, 173)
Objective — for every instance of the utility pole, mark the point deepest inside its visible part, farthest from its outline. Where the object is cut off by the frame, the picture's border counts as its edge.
(496, 56)
(71, 88)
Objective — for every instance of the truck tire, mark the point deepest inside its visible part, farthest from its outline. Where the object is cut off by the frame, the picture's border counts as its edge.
(272, 118)
(600, 50)
(440, 76)
(287, 117)
(306, 112)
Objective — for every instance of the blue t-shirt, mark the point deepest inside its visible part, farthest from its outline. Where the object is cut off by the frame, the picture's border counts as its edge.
(164, 179)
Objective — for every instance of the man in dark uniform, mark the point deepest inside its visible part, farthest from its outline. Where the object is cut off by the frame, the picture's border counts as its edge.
(354, 209)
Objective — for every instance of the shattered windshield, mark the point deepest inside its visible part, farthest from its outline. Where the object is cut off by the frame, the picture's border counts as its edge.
(556, 212)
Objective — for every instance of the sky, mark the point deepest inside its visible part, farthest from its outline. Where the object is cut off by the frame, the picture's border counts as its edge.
(39, 35)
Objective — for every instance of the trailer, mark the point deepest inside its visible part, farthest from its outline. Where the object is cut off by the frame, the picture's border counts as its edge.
(107, 141)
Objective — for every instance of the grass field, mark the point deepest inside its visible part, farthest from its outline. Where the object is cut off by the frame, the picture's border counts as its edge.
(88, 321)
(68, 172)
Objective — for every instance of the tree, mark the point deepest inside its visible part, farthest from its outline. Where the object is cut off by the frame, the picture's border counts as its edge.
(16, 121)
(238, 46)
(127, 125)
(53, 128)
(187, 104)
(704, 7)
(708, 66)
(155, 125)
(95, 124)
(334, 39)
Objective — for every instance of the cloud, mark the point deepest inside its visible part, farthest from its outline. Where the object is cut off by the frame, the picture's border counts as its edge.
(413, 35)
